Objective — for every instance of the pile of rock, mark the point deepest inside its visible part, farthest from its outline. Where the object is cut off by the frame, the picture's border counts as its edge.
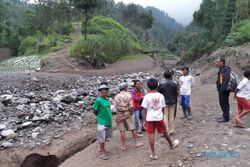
(37, 111)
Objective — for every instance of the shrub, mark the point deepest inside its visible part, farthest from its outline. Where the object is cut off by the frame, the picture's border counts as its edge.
(107, 40)
(28, 46)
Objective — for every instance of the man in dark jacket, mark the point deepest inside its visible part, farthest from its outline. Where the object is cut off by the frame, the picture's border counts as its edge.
(170, 90)
(223, 77)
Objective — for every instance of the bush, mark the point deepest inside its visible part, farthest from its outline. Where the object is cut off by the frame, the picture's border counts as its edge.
(41, 44)
(28, 46)
(240, 34)
(107, 41)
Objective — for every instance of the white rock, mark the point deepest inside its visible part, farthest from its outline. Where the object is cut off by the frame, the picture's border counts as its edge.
(37, 129)
(6, 144)
(2, 126)
(45, 117)
(34, 135)
(112, 107)
(7, 96)
(26, 124)
(35, 118)
(8, 133)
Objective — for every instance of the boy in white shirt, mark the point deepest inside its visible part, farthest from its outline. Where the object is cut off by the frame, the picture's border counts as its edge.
(154, 105)
(186, 83)
(242, 94)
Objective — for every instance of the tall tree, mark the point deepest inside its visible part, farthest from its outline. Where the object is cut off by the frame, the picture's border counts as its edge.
(86, 6)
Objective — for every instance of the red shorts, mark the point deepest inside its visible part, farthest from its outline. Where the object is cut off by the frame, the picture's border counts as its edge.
(152, 125)
(243, 104)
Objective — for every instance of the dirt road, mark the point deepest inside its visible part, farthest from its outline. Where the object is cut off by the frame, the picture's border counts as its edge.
(202, 134)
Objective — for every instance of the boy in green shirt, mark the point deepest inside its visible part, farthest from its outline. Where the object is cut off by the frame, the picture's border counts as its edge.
(104, 119)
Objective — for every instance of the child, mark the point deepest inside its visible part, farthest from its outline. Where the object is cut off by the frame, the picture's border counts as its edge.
(104, 119)
(242, 94)
(154, 105)
(186, 83)
(137, 96)
(123, 105)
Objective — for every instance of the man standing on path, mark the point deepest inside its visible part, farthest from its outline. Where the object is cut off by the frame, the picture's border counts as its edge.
(223, 77)
(170, 90)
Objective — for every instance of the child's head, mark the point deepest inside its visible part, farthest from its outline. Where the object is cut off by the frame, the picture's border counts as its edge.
(103, 89)
(247, 73)
(152, 84)
(167, 74)
(137, 84)
(123, 86)
(185, 70)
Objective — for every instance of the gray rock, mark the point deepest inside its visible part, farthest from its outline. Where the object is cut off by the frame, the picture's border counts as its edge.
(45, 117)
(37, 129)
(190, 146)
(6, 144)
(26, 124)
(7, 96)
(2, 107)
(35, 118)
(2, 126)
(8, 133)
(34, 135)
(21, 101)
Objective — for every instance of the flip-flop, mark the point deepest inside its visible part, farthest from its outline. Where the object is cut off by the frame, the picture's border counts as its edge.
(238, 126)
(153, 158)
(104, 157)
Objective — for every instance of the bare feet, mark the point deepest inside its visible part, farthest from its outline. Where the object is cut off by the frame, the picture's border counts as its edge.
(139, 144)
(153, 157)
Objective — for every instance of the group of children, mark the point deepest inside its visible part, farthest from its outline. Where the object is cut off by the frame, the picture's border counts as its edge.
(153, 110)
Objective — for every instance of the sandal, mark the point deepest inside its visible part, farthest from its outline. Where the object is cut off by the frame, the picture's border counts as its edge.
(238, 126)
(175, 144)
(153, 158)
(104, 157)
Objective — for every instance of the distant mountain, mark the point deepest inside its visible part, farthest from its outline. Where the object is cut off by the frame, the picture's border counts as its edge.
(164, 26)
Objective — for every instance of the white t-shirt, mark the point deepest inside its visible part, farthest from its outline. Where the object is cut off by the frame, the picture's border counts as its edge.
(154, 102)
(244, 89)
(186, 83)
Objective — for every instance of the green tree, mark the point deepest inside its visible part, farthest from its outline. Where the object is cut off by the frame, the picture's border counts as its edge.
(86, 6)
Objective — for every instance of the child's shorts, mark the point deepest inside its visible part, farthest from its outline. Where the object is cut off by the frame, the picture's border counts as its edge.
(103, 133)
(152, 125)
(243, 104)
(185, 100)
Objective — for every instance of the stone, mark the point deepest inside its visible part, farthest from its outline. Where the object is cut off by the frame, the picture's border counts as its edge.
(26, 124)
(9, 134)
(35, 118)
(112, 107)
(21, 101)
(6, 144)
(37, 129)
(45, 117)
(190, 146)
(2, 107)
(7, 97)
(2, 126)
(34, 135)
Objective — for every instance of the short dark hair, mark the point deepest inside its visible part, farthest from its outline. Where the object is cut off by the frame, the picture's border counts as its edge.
(185, 68)
(247, 72)
(222, 60)
(152, 84)
(135, 81)
(167, 74)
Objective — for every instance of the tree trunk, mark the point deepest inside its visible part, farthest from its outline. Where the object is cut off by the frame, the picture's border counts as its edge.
(86, 24)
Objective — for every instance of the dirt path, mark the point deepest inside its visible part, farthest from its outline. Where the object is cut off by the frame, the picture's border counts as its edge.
(201, 134)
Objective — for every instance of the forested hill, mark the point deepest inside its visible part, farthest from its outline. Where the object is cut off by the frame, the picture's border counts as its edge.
(164, 27)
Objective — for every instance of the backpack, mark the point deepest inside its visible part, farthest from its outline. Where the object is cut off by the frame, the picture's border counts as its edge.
(233, 82)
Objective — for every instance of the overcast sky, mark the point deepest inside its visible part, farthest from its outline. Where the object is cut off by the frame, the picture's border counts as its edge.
(181, 10)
